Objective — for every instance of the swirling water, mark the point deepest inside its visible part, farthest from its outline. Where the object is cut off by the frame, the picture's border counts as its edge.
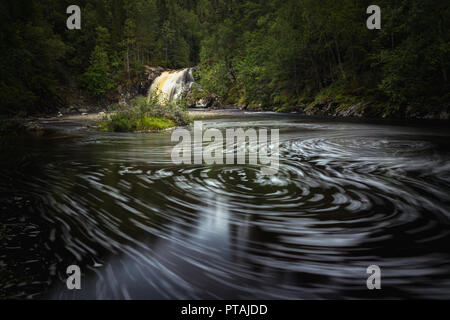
(347, 195)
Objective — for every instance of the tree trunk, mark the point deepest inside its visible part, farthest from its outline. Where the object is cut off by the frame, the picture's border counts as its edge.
(166, 56)
(341, 68)
(128, 61)
(316, 70)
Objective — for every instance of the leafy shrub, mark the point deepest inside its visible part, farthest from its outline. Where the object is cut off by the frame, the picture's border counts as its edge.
(147, 114)
(149, 123)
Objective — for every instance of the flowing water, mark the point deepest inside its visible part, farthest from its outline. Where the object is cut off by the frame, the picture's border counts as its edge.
(347, 195)
(171, 85)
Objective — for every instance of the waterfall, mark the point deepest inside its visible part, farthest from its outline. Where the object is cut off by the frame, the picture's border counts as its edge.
(171, 85)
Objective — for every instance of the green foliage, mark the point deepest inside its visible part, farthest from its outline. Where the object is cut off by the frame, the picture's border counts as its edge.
(123, 122)
(154, 107)
(415, 63)
(280, 53)
(30, 52)
(275, 52)
(38, 55)
(150, 123)
(147, 114)
(119, 123)
(98, 77)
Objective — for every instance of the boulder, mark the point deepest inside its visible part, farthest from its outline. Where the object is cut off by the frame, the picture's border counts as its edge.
(139, 86)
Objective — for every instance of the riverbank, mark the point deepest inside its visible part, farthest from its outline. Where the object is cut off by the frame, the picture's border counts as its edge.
(72, 123)
(356, 108)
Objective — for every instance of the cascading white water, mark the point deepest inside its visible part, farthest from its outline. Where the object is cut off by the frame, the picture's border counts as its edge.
(171, 85)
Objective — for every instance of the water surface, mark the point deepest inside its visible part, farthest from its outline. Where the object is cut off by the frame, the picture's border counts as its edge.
(347, 195)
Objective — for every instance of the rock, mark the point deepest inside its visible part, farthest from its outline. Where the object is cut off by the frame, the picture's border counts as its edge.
(59, 115)
(444, 115)
(122, 103)
(357, 110)
(241, 106)
(255, 107)
(71, 110)
(202, 103)
(84, 114)
(153, 72)
(35, 127)
(142, 86)
(214, 103)
(210, 101)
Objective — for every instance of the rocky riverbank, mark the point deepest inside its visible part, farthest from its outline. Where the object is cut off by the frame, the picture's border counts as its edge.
(368, 110)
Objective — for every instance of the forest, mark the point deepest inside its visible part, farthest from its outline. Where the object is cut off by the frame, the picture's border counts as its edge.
(279, 55)
(224, 150)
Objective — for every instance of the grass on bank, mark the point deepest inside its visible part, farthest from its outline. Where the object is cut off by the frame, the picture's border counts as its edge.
(147, 114)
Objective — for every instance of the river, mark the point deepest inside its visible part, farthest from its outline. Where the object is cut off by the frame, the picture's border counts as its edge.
(348, 194)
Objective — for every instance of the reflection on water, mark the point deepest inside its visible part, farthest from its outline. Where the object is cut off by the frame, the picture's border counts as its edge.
(347, 195)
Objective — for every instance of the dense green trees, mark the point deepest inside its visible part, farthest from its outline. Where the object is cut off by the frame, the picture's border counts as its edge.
(98, 76)
(38, 55)
(269, 52)
(29, 54)
(286, 52)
